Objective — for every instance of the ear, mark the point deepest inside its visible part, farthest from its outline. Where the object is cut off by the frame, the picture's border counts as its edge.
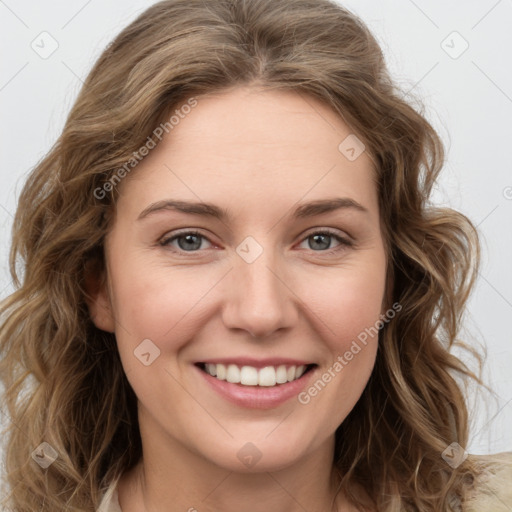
(97, 296)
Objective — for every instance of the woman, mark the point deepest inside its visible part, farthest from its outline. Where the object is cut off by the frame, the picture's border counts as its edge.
(190, 345)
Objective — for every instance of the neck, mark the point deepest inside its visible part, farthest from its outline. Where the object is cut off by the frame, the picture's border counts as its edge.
(172, 478)
(140, 491)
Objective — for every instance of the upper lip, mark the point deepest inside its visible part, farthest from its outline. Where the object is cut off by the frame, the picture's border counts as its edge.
(256, 363)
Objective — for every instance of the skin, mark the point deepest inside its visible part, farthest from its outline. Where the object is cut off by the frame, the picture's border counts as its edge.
(257, 154)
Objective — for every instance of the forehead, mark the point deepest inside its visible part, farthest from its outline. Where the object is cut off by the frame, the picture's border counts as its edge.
(254, 148)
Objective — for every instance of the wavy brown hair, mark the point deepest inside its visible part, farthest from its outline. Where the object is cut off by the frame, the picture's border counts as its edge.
(64, 382)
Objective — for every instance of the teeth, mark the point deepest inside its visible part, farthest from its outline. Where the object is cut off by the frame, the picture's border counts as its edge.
(267, 376)
(250, 376)
(281, 374)
(221, 372)
(233, 374)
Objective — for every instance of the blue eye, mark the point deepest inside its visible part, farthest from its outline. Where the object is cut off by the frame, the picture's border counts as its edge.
(319, 238)
(190, 241)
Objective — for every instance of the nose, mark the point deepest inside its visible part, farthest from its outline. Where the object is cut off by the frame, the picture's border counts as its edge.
(259, 297)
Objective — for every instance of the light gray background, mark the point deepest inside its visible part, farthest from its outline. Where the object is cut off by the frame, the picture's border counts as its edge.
(468, 98)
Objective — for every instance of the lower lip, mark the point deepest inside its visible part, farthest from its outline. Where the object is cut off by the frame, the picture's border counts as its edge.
(257, 397)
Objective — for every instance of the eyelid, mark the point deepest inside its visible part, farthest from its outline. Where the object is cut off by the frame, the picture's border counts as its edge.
(330, 231)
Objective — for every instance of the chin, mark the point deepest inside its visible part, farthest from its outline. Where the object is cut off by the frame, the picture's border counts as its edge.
(247, 456)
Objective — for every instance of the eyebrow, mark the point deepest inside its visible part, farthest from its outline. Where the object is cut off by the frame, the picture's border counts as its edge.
(309, 209)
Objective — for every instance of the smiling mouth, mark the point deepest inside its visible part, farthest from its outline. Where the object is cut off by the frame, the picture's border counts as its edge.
(269, 376)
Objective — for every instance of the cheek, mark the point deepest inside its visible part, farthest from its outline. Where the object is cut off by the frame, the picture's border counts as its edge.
(160, 303)
(345, 302)
(347, 312)
(163, 302)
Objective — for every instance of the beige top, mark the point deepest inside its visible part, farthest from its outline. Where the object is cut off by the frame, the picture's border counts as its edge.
(110, 501)
(491, 493)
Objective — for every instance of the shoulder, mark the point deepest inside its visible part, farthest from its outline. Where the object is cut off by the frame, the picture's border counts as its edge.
(492, 489)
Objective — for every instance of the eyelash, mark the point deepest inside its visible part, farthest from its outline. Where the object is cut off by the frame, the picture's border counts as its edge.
(344, 242)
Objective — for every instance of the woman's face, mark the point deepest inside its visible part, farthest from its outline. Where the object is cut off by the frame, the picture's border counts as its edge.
(268, 284)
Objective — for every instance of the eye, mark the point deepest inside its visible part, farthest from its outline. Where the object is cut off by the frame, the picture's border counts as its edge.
(188, 241)
(321, 241)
